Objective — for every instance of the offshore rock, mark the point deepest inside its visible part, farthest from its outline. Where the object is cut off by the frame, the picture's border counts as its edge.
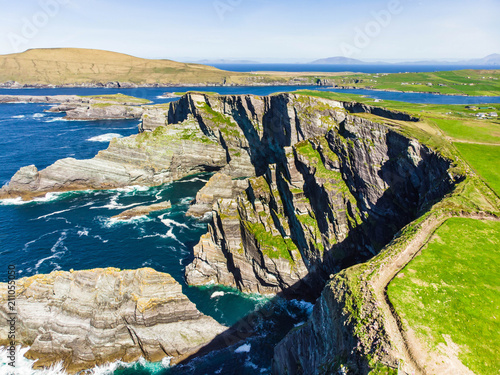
(142, 211)
(151, 159)
(104, 112)
(89, 318)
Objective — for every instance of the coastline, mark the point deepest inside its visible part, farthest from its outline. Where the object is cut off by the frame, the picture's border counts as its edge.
(128, 85)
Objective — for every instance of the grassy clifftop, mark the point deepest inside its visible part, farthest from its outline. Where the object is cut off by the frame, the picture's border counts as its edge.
(73, 65)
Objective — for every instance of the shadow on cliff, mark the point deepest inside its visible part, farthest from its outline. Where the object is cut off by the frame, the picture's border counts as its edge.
(376, 233)
(411, 191)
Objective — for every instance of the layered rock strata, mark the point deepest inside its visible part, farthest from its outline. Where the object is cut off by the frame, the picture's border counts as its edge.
(328, 202)
(142, 210)
(86, 108)
(89, 318)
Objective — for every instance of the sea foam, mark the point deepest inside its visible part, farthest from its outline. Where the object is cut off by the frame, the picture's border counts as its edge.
(105, 137)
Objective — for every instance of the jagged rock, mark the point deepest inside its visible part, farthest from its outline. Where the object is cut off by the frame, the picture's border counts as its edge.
(42, 99)
(333, 336)
(142, 210)
(152, 159)
(85, 108)
(104, 112)
(219, 186)
(153, 117)
(335, 198)
(170, 95)
(88, 318)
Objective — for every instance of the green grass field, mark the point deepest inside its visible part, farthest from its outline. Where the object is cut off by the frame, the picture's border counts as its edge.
(485, 160)
(453, 288)
(472, 130)
(457, 82)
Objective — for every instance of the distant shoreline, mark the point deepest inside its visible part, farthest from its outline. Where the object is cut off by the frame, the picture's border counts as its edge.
(127, 85)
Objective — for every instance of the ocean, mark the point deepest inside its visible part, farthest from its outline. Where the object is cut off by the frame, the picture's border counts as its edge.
(359, 68)
(74, 230)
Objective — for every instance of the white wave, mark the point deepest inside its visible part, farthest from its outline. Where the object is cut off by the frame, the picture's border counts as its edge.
(171, 235)
(49, 197)
(53, 213)
(38, 115)
(299, 324)
(59, 242)
(217, 294)
(251, 365)
(105, 137)
(114, 205)
(186, 200)
(245, 348)
(200, 224)
(12, 201)
(133, 188)
(100, 238)
(24, 366)
(57, 255)
(109, 222)
(171, 223)
(27, 244)
(207, 216)
(154, 235)
(56, 119)
(194, 179)
(83, 232)
(18, 116)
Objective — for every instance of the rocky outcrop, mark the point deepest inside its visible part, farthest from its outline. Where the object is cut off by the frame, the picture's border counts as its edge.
(142, 210)
(104, 111)
(154, 116)
(152, 159)
(43, 99)
(345, 330)
(88, 318)
(107, 107)
(330, 201)
(219, 186)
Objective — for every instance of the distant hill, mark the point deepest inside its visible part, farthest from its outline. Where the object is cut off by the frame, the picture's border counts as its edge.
(337, 60)
(492, 60)
(74, 65)
(223, 61)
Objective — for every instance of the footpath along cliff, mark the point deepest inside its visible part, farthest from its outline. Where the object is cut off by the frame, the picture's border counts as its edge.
(304, 186)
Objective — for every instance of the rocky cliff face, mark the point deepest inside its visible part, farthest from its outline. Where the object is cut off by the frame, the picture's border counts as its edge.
(345, 329)
(88, 318)
(337, 188)
(306, 188)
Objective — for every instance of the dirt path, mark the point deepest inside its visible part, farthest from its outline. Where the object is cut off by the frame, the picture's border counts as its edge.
(417, 358)
(456, 140)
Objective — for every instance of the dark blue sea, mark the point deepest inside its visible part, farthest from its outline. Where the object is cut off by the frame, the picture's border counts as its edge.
(360, 68)
(73, 230)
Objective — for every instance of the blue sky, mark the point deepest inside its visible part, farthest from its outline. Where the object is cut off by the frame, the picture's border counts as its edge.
(262, 30)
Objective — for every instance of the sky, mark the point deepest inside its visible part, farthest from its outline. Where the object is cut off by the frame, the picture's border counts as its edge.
(260, 30)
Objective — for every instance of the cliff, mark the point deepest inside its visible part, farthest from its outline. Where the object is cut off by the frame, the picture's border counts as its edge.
(306, 188)
(88, 318)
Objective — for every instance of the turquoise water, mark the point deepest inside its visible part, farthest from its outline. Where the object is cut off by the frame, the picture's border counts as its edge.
(74, 231)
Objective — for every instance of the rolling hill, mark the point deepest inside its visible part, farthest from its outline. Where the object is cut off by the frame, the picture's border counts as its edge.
(60, 66)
